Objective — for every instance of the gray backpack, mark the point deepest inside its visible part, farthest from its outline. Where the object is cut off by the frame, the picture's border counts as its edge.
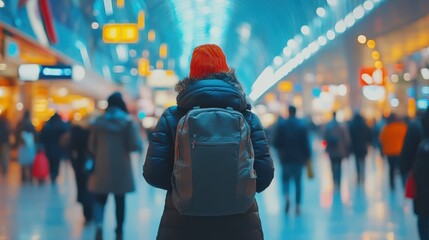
(213, 164)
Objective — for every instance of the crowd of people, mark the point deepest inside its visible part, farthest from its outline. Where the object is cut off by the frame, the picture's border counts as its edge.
(404, 145)
(99, 149)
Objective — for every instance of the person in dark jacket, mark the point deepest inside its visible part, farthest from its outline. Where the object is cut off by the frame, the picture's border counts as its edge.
(421, 176)
(113, 136)
(5, 131)
(293, 148)
(50, 138)
(415, 133)
(337, 138)
(79, 154)
(360, 136)
(210, 84)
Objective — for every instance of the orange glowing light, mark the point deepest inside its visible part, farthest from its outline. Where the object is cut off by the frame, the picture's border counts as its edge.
(120, 33)
(141, 20)
(371, 44)
(120, 3)
(151, 35)
(375, 55)
(163, 50)
(143, 67)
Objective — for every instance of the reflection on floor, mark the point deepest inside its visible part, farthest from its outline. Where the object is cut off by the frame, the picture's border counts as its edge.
(364, 212)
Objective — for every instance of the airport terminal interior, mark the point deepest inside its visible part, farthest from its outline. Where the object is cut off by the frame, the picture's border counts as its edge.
(69, 66)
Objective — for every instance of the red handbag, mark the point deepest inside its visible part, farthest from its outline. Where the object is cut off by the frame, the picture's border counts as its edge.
(410, 187)
(41, 166)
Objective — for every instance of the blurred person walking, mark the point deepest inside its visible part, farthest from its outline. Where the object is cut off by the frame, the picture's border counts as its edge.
(360, 136)
(291, 140)
(392, 139)
(416, 132)
(5, 132)
(211, 84)
(50, 138)
(79, 156)
(113, 136)
(338, 146)
(25, 141)
(419, 172)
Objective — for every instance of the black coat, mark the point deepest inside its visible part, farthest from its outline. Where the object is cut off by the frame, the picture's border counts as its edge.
(291, 141)
(421, 176)
(158, 166)
(360, 136)
(413, 137)
(51, 135)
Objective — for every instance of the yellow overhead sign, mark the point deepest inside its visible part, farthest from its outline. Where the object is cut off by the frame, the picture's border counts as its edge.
(120, 33)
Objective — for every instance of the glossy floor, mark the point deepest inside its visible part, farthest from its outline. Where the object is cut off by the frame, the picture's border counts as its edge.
(369, 212)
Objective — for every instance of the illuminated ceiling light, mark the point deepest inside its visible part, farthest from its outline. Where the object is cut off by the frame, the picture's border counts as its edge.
(95, 25)
(122, 51)
(299, 58)
(368, 5)
(407, 77)
(163, 50)
(361, 39)
(134, 71)
(141, 20)
(245, 31)
(108, 8)
(320, 12)
(394, 78)
(305, 30)
(330, 35)
(378, 64)
(151, 35)
(332, 2)
(394, 102)
(322, 41)
(359, 12)
(287, 52)
(425, 73)
(278, 60)
(375, 55)
(306, 53)
(118, 69)
(340, 26)
(371, 44)
(350, 20)
(314, 46)
(2, 4)
(133, 53)
(291, 44)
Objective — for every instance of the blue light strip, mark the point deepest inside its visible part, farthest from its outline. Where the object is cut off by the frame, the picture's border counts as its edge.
(200, 21)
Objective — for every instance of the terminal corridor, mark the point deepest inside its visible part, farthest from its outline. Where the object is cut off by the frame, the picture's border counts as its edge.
(369, 212)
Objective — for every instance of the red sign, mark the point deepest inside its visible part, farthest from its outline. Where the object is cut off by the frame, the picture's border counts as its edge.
(372, 76)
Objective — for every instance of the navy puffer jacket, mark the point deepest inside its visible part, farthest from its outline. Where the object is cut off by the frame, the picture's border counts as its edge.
(224, 91)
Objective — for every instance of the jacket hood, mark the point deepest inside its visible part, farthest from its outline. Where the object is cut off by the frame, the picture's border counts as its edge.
(113, 120)
(218, 90)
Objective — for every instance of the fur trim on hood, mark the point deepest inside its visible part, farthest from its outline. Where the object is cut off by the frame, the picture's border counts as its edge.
(228, 77)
